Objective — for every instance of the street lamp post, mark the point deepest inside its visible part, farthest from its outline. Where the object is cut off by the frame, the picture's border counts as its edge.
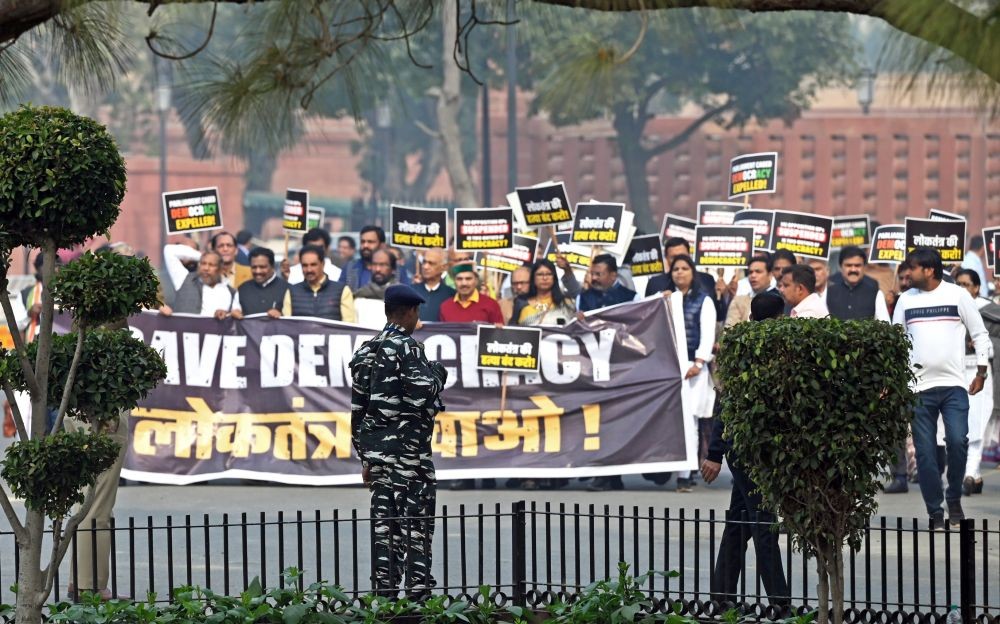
(163, 80)
(866, 89)
(380, 155)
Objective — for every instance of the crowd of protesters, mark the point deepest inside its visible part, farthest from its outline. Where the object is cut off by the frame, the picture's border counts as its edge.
(346, 279)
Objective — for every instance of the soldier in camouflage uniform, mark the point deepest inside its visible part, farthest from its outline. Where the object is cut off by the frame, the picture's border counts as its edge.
(393, 404)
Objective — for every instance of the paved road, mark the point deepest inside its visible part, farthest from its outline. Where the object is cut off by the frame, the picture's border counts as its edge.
(327, 547)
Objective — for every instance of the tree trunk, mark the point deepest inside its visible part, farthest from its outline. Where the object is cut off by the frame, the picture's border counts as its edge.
(628, 134)
(30, 582)
(837, 586)
(449, 104)
(823, 587)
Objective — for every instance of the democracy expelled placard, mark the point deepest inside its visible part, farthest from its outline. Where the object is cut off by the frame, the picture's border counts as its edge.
(946, 236)
(802, 234)
(192, 210)
(418, 228)
(753, 173)
(597, 224)
(478, 229)
(718, 213)
(762, 222)
(296, 211)
(851, 231)
(508, 348)
(544, 205)
(644, 255)
(678, 227)
(522, 252)
(888, 245)
(723, 245)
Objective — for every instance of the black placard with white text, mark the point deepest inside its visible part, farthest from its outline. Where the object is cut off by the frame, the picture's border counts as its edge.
(723, 245)
(802, 234)
(484, 229)
(418, 228)
(192, 210)
(718, 213)
(508, 348)
(762, 222)
(543, 206)
(597, 224)
(851, 231)
(678, 227)
(988, 234)
(946, 236)
(522, 253)
(888, 245)
(296, 211)
(751, 174)
(645, 255)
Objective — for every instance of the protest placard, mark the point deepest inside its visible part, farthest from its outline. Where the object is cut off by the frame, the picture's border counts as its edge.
(678, 227)
(718, 213)
(888, 245)
(850, 231)
(988, 234)
(578, 256)
(802, 234)
(762, 222)
(597, 224)
(296, 211)
(751, 174)
(418, 228)
(941, 215)
(541, 205)
(723, 245)
(523, 250)
(996, 250)
(946, 236)
(508, 348)
(480, 229)
(317, 215)
(192, 210)
(645, 255)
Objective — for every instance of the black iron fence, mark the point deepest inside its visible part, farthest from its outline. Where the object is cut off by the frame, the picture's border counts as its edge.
(533, 555)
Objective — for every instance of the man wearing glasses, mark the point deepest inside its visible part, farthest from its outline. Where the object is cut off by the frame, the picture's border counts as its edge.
(432, 287)
(520, 284)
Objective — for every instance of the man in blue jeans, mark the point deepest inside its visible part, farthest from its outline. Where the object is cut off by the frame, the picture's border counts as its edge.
(937, 316)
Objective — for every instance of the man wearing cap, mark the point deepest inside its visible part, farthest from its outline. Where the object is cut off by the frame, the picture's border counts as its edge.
(394, 399)
(469, 305)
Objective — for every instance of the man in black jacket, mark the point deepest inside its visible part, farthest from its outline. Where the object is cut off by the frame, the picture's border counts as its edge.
(745, 518)
(266, 292)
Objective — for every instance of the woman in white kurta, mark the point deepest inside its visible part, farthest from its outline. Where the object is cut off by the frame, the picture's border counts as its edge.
(694, 331)
(981, 403)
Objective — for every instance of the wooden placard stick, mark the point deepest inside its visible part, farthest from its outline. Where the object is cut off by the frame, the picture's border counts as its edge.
(503, 393)
(286, 248)
(552, 235)
(746, 202)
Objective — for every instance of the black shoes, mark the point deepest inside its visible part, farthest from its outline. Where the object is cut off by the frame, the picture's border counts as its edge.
(606, 484)
(937, 522)
(685, 485)
(972, 486)
(898, 486)
(955, 512)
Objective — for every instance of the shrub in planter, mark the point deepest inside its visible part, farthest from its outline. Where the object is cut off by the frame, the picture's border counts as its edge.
(816, 409)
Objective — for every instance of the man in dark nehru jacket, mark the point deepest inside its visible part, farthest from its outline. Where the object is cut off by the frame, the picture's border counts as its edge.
(394, 400)
(266, 292)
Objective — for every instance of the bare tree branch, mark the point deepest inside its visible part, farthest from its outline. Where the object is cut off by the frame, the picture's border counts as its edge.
(15, 522)
(81, 332)
(682, 136)
(15, 411)
(71, 527)
(192, 53)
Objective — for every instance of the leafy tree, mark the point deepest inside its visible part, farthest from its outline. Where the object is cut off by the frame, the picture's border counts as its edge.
(816, 409)
(734, 68)
(61, 182)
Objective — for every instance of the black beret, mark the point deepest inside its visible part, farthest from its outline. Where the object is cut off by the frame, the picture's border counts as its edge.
(401, 294)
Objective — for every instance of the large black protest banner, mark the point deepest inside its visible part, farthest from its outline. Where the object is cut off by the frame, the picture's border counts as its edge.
(479, 229)
(762, 222)
(644, 255)
(522, 252)
(270, 399)
(296, 211)
(802, 234)
(851, 231)
(888, 245)
(512, 349)
(678, 227)
(988, 234)
(597, 224)
(750, 174)
(718, 213)
(723, 245)
(543, 206)
(417, 228)
(192, 210)
(946, 236)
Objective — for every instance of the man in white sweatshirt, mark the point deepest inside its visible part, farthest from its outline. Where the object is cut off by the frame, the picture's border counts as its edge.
(937, 315)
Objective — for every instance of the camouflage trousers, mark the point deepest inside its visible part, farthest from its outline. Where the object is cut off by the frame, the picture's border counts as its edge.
(402, 511)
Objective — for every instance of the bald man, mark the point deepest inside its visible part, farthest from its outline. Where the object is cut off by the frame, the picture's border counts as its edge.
(431, 286)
